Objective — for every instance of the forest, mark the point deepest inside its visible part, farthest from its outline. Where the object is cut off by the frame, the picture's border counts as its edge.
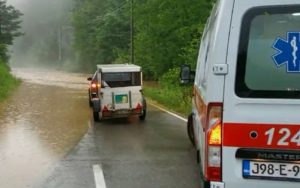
(166, 34)
(159, 35)
(9, 29)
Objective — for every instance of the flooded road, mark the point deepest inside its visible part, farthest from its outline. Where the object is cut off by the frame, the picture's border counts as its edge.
(40, 123)
(48, 139)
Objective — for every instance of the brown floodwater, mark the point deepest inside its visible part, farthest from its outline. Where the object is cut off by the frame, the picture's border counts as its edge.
(40, 123)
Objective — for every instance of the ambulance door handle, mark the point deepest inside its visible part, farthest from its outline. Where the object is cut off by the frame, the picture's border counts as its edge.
(220, 69)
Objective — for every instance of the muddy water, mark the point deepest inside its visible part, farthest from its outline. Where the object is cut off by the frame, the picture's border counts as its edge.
(40, 123)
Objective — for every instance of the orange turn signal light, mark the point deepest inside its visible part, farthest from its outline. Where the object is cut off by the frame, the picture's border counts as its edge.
(214, 135)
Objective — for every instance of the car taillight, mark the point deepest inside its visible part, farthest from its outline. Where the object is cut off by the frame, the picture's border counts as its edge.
(213, 166)
(94, 85)
(94, 88)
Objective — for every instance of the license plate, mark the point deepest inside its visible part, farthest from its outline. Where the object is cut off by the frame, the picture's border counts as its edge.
(119, 99)
(271, 170)
(122, 112)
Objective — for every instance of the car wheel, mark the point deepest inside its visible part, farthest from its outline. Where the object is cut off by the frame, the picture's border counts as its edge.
(90, 100)
(96, 116)
(144, 111)
(190, 129)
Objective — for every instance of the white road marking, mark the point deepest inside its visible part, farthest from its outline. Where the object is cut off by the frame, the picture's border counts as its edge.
(99, 177)
(171, 113)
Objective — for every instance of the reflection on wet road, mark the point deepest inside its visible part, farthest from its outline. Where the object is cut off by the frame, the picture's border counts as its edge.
(133, 154)
(39, 124)
(50, 77)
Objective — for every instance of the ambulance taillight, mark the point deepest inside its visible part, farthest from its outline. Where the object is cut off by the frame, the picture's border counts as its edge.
(213, 166)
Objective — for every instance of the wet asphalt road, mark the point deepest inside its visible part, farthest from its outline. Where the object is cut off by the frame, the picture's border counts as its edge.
(49, 140)
(133, 154)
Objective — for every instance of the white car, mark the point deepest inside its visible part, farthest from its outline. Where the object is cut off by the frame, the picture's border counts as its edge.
(245, 122)
(119, 92)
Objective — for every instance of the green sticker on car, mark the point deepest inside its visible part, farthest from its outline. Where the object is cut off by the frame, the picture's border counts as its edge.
(123, 98)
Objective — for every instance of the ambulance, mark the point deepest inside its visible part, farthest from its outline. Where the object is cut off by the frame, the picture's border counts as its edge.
(245, 121)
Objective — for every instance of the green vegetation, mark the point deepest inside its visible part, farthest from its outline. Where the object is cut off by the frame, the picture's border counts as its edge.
(166, 35)
(175, 101)
(102, 32)
(8, 82)
(9, 29)
(170, 94)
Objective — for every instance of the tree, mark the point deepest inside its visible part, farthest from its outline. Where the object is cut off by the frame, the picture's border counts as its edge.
(9, 27)
(168, 33)
(102, 31)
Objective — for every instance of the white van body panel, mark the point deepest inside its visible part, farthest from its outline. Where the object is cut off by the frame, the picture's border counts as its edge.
(219, 48)
(207, 84)
(251, 110)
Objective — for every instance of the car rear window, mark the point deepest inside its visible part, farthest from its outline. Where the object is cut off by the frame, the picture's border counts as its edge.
(269, 53)
(121, 79)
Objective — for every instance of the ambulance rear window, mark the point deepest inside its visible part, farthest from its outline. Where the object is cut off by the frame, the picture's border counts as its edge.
(269, 53)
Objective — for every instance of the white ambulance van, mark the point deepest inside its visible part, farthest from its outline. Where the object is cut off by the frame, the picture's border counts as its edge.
(245, 122)
(118, 92)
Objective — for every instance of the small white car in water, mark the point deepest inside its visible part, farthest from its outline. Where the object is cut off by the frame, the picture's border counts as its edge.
(118, 92)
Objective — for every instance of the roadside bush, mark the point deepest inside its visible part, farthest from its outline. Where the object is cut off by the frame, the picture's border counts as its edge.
(170, 93)
(7, 82)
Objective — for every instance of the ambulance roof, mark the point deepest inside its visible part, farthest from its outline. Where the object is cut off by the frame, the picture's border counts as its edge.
(119, 68)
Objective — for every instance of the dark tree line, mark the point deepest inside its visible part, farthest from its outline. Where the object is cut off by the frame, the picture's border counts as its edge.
(166, 32)
(9, 28)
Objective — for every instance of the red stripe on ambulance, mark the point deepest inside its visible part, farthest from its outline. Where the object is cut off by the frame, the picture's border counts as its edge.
(268, 136)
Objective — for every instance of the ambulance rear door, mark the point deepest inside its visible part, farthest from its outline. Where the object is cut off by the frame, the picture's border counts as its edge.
(261, 112)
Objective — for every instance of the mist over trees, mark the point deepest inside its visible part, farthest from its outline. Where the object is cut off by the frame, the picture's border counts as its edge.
(102, 32)
(166, 32)
(47, 38)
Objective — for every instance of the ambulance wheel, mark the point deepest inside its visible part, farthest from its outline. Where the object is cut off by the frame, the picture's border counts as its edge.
(96, 116)
(144, 112)
(190, 129)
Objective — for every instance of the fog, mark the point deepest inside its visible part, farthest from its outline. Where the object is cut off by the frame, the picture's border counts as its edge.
(47, 39)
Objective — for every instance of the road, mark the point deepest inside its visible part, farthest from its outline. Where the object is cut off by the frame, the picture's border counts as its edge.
(49, 140)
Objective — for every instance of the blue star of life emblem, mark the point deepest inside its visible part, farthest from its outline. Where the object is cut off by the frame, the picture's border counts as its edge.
(288, 52)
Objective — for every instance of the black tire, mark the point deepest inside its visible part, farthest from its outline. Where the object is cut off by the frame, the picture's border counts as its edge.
(96, 116)
(90, 103)
(144, 112)
(90, 100)
(190, 129)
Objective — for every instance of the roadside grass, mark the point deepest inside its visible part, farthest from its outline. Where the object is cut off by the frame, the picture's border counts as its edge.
(7, 82)
(175, 98)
